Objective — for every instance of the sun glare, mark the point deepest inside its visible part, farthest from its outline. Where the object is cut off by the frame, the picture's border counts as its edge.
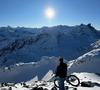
(50, 13)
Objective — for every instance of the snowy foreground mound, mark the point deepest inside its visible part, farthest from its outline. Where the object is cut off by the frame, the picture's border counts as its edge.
(90, 79)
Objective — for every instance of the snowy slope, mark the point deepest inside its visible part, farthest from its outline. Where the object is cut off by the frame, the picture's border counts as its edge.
(89, 62)
(23, 72)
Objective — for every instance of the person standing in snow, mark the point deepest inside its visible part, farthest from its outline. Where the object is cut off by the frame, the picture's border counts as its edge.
(62, 73)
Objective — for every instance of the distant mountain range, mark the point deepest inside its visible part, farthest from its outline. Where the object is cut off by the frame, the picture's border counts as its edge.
(30, 44)
(31, 54)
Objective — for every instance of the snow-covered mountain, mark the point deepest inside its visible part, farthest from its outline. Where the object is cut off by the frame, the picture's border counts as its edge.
(31, 54)
(30, 44)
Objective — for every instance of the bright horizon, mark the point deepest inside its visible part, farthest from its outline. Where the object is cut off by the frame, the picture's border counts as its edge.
(39, 13)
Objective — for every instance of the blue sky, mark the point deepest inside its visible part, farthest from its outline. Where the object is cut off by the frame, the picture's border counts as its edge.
(32, 13)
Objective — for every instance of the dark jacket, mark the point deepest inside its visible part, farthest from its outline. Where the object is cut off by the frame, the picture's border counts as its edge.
(61, 70)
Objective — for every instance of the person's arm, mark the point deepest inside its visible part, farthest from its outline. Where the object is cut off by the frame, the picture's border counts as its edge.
(66, 69)
(56, 72)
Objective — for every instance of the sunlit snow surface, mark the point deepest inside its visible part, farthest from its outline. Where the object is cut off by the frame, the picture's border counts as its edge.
(49, 85)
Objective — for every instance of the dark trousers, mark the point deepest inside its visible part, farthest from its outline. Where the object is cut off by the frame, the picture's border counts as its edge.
(61, 83)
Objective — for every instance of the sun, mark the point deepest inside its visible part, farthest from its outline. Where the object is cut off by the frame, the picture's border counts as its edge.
(50, 13)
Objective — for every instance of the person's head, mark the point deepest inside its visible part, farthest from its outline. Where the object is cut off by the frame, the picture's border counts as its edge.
(61, 59)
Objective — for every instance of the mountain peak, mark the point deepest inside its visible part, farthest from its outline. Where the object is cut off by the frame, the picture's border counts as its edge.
(8, 27)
